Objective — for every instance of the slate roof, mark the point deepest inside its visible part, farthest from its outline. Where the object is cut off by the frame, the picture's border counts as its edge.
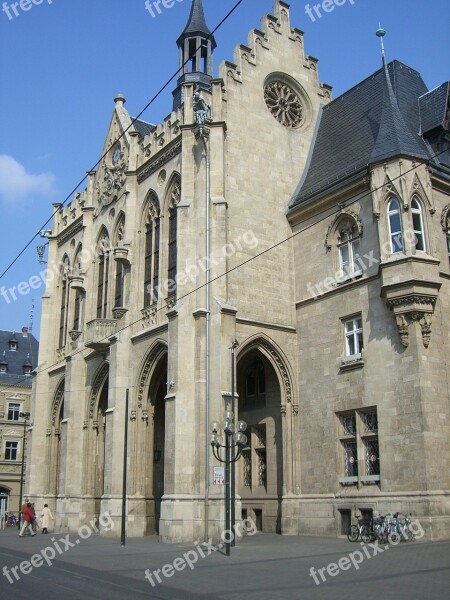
(196, 24)
(375, 120)
(143, 128)
(433, 108)
(26, 353)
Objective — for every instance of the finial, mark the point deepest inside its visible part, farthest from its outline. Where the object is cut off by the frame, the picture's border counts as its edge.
(120, 98)
(381, 33)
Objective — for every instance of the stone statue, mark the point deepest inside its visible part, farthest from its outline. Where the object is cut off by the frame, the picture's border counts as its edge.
(202, 110)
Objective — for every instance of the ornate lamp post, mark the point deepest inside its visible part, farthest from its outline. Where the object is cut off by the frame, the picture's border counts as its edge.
(25, 423)
(231, 440)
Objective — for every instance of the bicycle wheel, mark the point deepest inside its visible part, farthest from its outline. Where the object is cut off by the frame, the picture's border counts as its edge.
(353, 533)
(366, 534)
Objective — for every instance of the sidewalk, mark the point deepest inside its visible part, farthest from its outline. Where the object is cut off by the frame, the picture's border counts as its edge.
(261, 567)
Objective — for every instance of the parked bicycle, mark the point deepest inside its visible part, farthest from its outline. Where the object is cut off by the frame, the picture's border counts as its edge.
(11, 520)
(362, 530)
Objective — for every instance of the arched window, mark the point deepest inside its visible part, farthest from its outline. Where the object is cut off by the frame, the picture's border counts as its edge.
(77, 268)
(395, 226)
(103, 276)
(64, 305)
(417, 219)
(152, 238)
(175, 196)
(348, 244)
(255, 378)
(120, 267)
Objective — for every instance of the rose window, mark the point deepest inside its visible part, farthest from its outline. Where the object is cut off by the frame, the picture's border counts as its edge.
(284, 104)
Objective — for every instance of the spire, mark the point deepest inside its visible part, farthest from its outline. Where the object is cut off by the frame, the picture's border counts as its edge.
(196, 25)
(196, 46)
(394, 138)
(381, 33)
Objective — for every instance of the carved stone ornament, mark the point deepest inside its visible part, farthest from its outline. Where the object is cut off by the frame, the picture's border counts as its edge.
(57, 401)
(281, 367)
(445, 218)
(352, 220)
(111, 178)
(149, 364)
(424, 319)
(284, 104)
(98, 384)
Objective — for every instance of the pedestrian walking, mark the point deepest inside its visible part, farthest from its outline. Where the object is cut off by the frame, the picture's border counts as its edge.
(46, 516)
(28, 519)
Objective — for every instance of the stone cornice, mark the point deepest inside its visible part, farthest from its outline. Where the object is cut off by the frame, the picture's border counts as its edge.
(159, 160)
(70, 231)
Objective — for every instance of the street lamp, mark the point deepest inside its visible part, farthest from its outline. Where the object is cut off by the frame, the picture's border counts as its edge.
(26, 416)
(232, 440)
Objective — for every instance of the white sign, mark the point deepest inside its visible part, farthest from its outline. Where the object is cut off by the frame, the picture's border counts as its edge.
(219, 475)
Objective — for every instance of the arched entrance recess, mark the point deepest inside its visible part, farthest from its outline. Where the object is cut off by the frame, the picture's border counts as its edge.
(150, 447)
(264, 387)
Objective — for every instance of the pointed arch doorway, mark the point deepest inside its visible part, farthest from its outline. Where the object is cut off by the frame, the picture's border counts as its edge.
(155, 439)
(259, 478)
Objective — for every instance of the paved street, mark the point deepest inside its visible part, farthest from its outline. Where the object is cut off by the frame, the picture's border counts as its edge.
(262, 567)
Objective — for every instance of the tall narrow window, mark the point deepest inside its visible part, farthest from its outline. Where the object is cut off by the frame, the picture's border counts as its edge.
(103, 278)
(118, 298)
(151, 268)
(395, 226)
(77, 310)
(353, 336)
(348, 245)
(64, 306)
(172, 272)
(417, 219)
(175, 196)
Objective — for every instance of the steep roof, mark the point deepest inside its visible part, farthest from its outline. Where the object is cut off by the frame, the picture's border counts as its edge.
(375, 120)
(142, 127)
(196, 25)
(433, 108)
(26, 354)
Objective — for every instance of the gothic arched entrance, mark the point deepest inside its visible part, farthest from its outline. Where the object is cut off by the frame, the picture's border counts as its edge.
(259, 478)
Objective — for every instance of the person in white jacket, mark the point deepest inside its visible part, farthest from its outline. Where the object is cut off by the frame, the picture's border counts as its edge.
(46, 516)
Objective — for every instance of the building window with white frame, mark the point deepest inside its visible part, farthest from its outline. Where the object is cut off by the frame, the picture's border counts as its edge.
(348, 245)
(13, 411)
(353, 336)
(418, 228)
(11, 450)
(395, 226)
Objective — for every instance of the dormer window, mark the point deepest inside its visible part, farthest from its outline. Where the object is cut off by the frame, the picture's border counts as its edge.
(3, 364)
(27, 366)
(13, 345)
(348, 244)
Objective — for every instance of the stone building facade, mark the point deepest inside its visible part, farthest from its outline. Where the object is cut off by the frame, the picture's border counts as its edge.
(18, 358)
(264, 212)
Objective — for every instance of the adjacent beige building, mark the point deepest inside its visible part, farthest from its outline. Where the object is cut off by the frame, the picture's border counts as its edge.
(18, 357)
(316, 234)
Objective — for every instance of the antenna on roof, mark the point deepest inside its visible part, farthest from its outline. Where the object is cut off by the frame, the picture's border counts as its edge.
(30, 328)
(381, 33)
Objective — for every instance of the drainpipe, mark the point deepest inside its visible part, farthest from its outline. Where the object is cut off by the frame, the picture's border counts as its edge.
(207, 326)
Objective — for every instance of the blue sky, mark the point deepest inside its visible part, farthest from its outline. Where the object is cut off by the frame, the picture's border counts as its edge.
(63, 61)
